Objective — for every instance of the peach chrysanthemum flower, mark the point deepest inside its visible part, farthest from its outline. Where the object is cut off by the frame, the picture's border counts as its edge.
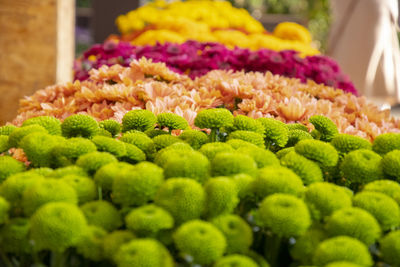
(110, 92)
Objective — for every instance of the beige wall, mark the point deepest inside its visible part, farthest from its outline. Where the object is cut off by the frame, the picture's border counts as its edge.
(32, 38)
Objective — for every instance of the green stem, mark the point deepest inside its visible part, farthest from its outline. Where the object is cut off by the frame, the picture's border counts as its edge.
(214, 135)
(100, 193)
(35, 257)
(273, 245)
(5, 259)
(267, 143)
(58, 259)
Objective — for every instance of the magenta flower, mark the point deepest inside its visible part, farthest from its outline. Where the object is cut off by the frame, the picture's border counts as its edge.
(196, 59)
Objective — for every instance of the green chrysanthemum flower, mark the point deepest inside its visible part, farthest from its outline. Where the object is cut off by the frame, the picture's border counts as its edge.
(214, 118)
(391, 164)
(362, 166)
(386, 142)
(133, 154)
(235, 260)
(111, 126)
(143, 253)
(285, 215)
(113, 241)
(7, 129)
(305, 245)
(140, 120)
(324, 126)
(137, 185)
(191, 237)
(105, 176)
(194, 138)
(163, 141)
(342, 264)
(251, 137)
(323, 153)
(80, 125)
(276, 132)
(324, 198)
(38, 148)
(185, 163)
(148, 220)
(342, 248)
(91, 245)
(238, 233)
(387, 187)
(261, 156)
(257, 258)
(390, 248)
(276, 179)
(297, 126)
(9, 166)
(345, 143)
(93, 161)
(354, 222)
(221, 196)
(51, 124)
(281, 153)
(164, 154)
(84, 187)
(230, 163)
(102, 214)
(239, 143)
(183, 198)
(172, 121)
(244, 184)
(295, 136)
(18, 134)
(66, 153)
(110, 145)
(46, 191)
(57, 226)
(142, 141)
(306, 169)
(103, 132)
(210, 150)
(244, 123)
(151, 133)
(383, 208)
(68, 170)
(44, 171)
(13, 188)
(4, 145)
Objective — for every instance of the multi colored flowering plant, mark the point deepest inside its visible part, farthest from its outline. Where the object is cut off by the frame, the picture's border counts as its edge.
(196, 59)
(110, 92)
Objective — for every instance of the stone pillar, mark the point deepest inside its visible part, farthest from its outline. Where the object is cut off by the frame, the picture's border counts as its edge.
(36, 48)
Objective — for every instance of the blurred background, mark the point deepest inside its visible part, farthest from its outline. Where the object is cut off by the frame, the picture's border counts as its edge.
(95, 18)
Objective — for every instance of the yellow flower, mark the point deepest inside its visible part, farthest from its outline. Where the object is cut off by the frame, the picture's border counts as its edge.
(232, 38)
(210, 21)
(151, 37)
(92, 58)
(292, 31)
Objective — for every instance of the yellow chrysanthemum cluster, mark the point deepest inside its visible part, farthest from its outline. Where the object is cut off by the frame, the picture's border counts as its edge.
(209, 21)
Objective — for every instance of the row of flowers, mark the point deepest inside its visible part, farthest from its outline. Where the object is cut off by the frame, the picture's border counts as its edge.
(209, 21)
(242, 192)
(196, 59)
(110, 92)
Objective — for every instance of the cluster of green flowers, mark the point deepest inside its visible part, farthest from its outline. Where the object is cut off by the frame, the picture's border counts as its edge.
(240, 192)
